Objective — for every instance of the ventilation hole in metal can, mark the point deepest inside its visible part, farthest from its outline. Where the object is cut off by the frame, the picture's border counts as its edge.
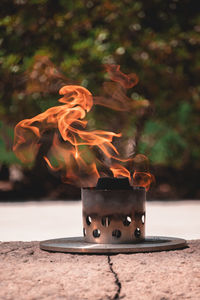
(127, 221)
(143, 218)
(84, 232)
(137, 232)
(88, 220)
(96, 233)
(105, 221)
(116, 233)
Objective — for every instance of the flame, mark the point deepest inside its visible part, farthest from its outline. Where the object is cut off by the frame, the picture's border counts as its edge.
(71, 151)
(143, 179)
(44, 77)
(114, 93)
(120, 171)
(127, 81)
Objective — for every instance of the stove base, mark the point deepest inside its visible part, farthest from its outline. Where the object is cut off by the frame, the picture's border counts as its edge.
(78, 245)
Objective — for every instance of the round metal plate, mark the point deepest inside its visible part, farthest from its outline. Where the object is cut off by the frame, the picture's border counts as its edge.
(78, 245)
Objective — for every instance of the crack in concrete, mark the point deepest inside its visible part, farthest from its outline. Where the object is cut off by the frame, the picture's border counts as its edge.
(117, 282)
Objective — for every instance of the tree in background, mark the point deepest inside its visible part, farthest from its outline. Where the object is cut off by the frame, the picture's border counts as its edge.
(157, 40)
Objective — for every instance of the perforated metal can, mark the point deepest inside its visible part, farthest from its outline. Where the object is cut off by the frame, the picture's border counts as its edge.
(114, 216)
(113, 222)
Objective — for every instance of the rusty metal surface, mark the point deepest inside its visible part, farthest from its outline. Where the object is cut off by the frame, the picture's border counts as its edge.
(105, 202)
(79, 245)
(113, 216)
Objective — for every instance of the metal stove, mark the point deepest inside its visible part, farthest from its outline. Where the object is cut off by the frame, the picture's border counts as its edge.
(113, 222)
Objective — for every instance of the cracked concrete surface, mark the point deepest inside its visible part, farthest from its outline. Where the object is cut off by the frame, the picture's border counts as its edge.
(26, 272)
(167, 275)
(117, 282)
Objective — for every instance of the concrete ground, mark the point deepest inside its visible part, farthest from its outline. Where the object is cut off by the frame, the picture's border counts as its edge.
(31, 221)
(28, 273)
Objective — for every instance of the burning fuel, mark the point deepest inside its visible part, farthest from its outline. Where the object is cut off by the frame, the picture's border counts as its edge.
(72, 147)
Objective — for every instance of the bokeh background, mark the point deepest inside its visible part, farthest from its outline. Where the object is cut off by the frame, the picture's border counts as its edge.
(157, 40)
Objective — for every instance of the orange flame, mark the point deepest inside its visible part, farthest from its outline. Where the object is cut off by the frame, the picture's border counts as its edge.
(127, 81)
(114, 93)
(43, 76)
(143, 179)
(72, 143)
(120, 171)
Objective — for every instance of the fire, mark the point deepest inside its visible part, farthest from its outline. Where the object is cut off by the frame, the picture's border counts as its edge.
(72, 147)
(126, 81)
(120, 171)
(114, 93)
(143, 179)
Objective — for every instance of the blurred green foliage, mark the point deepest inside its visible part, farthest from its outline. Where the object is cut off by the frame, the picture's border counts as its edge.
(158, 40)
(7, 156)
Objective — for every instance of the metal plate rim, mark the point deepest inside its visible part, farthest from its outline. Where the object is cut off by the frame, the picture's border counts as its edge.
(77, 245)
